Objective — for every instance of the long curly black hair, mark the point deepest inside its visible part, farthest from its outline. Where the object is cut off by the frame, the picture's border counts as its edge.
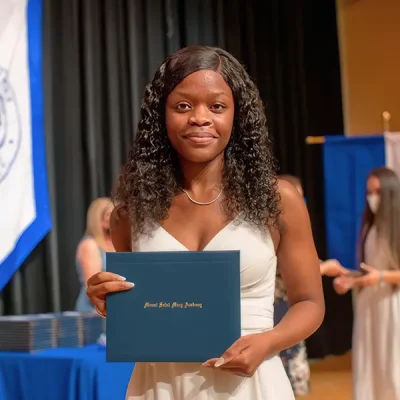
(151, 177)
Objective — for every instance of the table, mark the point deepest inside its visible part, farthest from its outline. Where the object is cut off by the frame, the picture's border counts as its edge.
(63, 374)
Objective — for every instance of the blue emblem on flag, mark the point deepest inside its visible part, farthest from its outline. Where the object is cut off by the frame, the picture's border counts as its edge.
(10, 126)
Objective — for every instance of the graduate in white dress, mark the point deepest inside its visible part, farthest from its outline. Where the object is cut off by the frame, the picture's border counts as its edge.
(376, 335)
(201, 177)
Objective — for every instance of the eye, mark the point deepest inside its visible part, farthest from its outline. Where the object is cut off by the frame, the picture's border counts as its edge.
(182, 107)
(218, 107)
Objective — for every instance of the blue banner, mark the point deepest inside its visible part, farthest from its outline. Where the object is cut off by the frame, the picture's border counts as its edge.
(347, 164)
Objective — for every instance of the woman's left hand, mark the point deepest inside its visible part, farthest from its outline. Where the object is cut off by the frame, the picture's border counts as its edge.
(244, 356)
(342, 284)
(371, 278)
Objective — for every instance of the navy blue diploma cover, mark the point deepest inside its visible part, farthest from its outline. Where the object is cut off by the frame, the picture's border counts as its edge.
(184, 307)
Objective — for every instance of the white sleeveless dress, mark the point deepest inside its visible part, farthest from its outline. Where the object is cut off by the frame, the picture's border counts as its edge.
(376, 334)
(191, 381)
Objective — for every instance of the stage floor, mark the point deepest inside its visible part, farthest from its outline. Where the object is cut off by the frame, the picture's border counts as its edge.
(331, 379)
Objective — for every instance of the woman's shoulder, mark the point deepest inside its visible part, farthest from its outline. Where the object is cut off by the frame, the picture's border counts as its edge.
(86, 247)
(287, 191)
(288, 198)
(292, 204)
(289, 195)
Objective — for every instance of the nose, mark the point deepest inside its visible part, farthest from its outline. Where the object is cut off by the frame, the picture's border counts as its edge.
(200, 117)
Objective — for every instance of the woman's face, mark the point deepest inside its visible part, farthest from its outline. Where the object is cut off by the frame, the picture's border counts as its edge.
(373, 193)
(199, 116)
(373, 186)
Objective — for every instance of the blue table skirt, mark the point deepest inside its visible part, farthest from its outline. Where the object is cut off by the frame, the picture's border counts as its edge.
(63, 374)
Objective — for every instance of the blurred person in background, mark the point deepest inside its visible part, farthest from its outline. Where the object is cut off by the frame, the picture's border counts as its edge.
(91, 251)
(376, 334)
(295, 358)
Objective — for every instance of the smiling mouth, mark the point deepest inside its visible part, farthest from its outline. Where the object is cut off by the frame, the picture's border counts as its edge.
(200, 137)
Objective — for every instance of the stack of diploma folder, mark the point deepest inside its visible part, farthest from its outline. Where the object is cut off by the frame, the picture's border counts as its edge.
(27, 333)
(70, 332)
(184, 307)
(32, 333)
(94, 326)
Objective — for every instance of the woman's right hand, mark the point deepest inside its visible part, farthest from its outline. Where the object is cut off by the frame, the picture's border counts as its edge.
(332, 268)
(342, 284)
(101, 284)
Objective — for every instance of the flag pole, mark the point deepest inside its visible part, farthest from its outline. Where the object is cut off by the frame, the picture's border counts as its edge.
(386, 121)
(315, 139)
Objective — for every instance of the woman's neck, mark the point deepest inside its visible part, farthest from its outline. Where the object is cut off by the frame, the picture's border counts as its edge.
(202, 177)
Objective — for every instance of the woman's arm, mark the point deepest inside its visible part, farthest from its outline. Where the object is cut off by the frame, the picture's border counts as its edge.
(300, 268)
(392, 277)
(89, 258)
(371, 277)
(120, 229)
(374, 276)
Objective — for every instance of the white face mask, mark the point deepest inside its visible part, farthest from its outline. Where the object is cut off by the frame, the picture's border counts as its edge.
(373, 202)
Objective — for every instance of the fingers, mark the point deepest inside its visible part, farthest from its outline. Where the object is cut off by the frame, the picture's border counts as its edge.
(101, 290)
(236, 349)
(343, 270)
(338, 268)
(210, 363)
(237, 362)
(103, 283)
(232, 364)
(346, 271)
(233, 351)
(343, 280)
(341, 290)
(332, 268)
(237, 366)
(240, 365)
(104, 277)
(341, 286)
(232, 369)
(362, 280)
(333, 261)
(366, 267)
(100, 306)
(338, 283)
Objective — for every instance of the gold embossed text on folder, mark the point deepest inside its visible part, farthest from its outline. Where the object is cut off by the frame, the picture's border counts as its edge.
(173, 304)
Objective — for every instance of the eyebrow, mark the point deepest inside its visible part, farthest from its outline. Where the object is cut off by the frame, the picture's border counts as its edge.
(189, 94)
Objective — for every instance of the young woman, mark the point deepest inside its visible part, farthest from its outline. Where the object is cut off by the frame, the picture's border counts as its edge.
(376, 336)
(200, 177)
(295, 358)
(91, 251)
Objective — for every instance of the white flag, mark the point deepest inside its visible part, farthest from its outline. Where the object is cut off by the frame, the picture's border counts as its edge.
(24, 204)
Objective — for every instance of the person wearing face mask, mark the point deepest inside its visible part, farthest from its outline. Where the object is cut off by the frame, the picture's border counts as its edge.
(376, 333)
(295, 359)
